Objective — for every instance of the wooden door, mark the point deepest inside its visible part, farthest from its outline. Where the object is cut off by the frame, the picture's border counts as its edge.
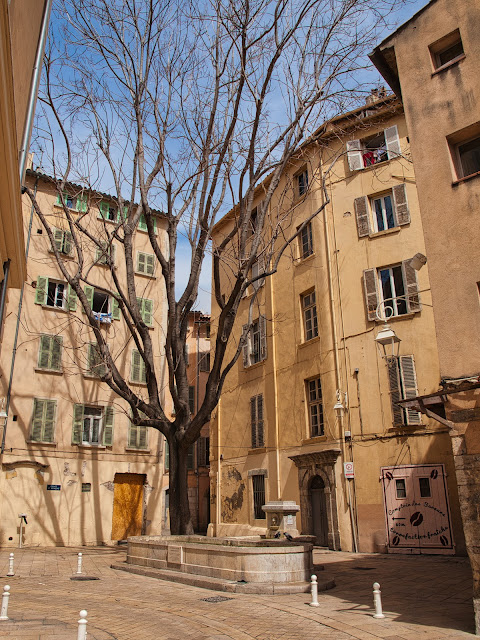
(319, 511)
(128, 505)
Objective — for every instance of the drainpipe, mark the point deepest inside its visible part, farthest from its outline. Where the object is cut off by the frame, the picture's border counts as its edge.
(32, 98)
(19, 312)
(6, 270)
(275, 392)
(219, 467)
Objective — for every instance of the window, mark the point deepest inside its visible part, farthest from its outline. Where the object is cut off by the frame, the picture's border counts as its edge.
(207, 330)
(257, 270)
(256, 421)
(92, 425)
(424, 486)
(167, 456)
(77, 203)
(63, 241)
(142, 223)
(468, 155)
(191, 457)
(253, 221)
(105, 254)
(138, 370)
(104, 307)
(309, 309)
(50, 353)
(393, 290)
(403, 385)
(43, 420)
(145, 263)
(400, 488)
(137, 436)
(191, 399)
(371, 151)
(305, 240)
(145, 308)
(51, 293)
(108, 211)
(258, 484)
(204, 363)
(203, 451)
(255, 347)
(95, 365)
(385, 211)
(447, 50)
(302, 182)
(315, 407)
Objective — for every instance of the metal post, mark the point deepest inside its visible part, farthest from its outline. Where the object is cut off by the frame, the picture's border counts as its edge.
(82, 626)
(11, 572)
(79, 563)
(21, 532)
(4, 610)
(377, 601)
(314, 602)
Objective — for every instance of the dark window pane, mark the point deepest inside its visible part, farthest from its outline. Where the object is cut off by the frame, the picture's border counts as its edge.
(424, 487)
(401, 488)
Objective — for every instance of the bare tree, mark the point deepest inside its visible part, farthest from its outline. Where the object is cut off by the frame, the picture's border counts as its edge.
(191, 110)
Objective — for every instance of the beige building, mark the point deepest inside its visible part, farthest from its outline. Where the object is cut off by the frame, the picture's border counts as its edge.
(309, 413)
(23, 25)
(72, 461)
(431, 62)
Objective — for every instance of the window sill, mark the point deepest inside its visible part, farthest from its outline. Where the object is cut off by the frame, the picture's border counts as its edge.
(145, 275)
(254, 365)
(90, 376)
(138, 384)
(403, 316)
(50, 308)
(65, 256)
(41, 444)
(256, 450)
(71, 209)
(83, 445)
(455, 183)
(299, 261)
(314, 440)
(135, 450)
(307, 343)
(55, 372)
(374, 166)
(450, 63)
(386, 232)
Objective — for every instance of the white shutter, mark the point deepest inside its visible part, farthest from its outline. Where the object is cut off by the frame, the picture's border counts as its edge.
(354, 155)
(262, 322)
(411, 287)
(395, 390)
(392, 142)
(246, 346)
(371, 292)
(409, 386)
(402, 212)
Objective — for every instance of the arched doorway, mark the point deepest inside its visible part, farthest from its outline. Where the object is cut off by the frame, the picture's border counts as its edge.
(318, 503)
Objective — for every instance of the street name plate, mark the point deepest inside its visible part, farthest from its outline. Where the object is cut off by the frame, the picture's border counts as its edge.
(175, 554)
(53, 487)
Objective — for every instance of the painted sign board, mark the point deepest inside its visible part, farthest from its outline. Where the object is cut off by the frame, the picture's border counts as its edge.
(348, 470)
(54, 487)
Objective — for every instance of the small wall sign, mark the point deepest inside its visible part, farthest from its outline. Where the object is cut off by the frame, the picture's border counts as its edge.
(86, 487)
(348, 470)
(54, 487)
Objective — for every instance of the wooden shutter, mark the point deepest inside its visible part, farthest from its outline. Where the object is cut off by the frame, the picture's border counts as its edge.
(103, 210)
(142, 223)
(147, 311)
(262, 322)
(96, 366)
(142, 437)
(150, 264)
(41, 290)
(44, 352)
(392, 142)
(141, 262)
(89, 291)
(371, 292)
(354, 155)
(82, 203)
(132, 435)
(37, 419)
(409, 386)
(191, 399)
(362, 216)
(77, 429)
(58, 238)
(56, 353)
(246, 346)
(115, 309)
(402, 212)
(108, 427)
(167, 456)
(190, 457)
(260, 439)
(395, 390)
(72, 299)
(67, 242)
(202, 452)
(49, 420)
(253, 420)
(411, 287)
(138, 367)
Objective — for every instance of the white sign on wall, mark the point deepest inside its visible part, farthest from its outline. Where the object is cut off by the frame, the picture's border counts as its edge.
(348, 470)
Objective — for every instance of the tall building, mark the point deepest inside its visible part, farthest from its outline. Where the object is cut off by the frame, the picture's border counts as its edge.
(72, 460)
(309, 414)
(431, 63)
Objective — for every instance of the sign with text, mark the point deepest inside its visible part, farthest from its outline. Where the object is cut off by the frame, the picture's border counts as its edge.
(348, 470)
(54, 487)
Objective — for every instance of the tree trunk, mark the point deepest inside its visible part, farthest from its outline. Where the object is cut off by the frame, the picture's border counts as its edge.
(180, 518)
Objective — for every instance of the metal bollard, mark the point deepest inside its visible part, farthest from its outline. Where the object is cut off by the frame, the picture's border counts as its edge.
(11, 572)
(79, 563)
(5, 597)
(82, 626)
(314, 602)
(377, 601)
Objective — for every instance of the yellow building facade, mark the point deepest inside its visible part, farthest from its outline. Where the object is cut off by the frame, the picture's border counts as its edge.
(72, 461)
(308, 414)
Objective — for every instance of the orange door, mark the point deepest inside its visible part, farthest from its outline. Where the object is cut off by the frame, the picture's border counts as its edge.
(128, 505)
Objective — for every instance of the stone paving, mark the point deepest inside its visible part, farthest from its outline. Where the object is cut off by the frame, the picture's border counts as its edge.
(424, 597)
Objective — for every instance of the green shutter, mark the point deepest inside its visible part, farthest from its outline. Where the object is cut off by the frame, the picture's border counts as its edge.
(77, 424)
(37, 419)
(132, 436)
(82, 203)
(147, 312)
(50, 352)
(108, 427)
(141, 262)
(96, 366)
(150, 264)
(142, 223)
(142, 441)
(49, 420)
(89, 291)
(115, 309)
(71, 299)
(58, 238)
(67, 242)
(138, 367)
(44, 352)
(56, 353)
(103, 210)
(41, 290)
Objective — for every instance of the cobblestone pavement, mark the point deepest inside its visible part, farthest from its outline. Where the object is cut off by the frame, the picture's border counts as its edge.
(425, 598)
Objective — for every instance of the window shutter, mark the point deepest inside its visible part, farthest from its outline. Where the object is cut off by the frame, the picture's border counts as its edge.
(371, 292)
(77, 424)
(402, 212)
(411, 287)
(202, 452)
(89, 291)
(58, 238)
(56, 352)
(190, 457)
(141, 262)
(409, 386)
(260, 439)
(37, 419)
(49, 420)
(392, 142)
(167, 456)
(186, 355)
(191, 399)
(253, 420)
(132, 436)
(96, 366)
(115, 309)
(362, 216)
(142, 223)
(82, 204)
(150, 264)
(257, 269)
(395, 391)
(146, 309)
(41, 290)
(262, 322)
(142, 437)
(354, 155)
(138, 367)
(44, 352)
(72, 299)
(108, 427)
(103, 210)
(67, 242)
(246, 346)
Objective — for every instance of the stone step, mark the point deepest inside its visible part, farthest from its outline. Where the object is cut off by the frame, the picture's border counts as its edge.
(220, 584)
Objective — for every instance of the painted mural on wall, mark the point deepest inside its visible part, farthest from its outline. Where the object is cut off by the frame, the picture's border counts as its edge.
(416, 509)
(233, 489)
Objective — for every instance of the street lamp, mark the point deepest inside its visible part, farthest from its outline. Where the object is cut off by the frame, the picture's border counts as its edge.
(389, 341)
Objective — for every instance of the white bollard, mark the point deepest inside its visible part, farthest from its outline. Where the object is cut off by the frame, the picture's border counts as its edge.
(377, 601)
(11, 572)
(82, 626)
(5, 597)
(79, 563)
(314, 602)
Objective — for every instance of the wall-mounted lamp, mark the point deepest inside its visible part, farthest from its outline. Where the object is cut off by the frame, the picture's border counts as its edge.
(389, 341)
(418, 261)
